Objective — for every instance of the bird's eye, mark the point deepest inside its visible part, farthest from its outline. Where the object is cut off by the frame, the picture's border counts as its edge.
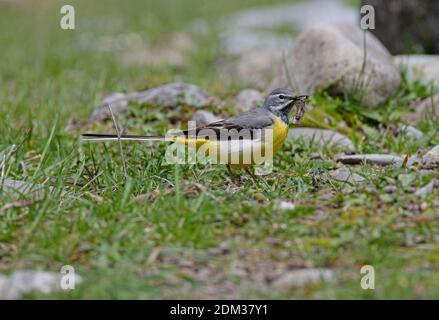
(281, 97)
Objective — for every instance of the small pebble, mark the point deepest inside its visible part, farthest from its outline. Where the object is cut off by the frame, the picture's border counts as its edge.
(390, 189)
(285, 206)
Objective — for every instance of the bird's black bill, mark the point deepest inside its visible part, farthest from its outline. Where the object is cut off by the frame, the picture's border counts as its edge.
(301, 98)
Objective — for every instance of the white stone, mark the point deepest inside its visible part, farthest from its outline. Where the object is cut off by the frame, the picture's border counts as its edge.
(411, 131)
(332, 55)
(422, 67)
(302, 277)
(285, 205)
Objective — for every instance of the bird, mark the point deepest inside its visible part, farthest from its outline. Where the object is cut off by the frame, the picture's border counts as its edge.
(239, 142)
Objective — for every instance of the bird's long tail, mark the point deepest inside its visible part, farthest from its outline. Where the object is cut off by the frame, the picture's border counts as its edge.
(91, 137)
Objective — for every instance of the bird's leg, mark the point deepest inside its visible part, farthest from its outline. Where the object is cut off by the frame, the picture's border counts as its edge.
(255, 179)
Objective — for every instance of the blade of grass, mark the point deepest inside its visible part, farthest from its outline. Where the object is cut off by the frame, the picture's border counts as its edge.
(46, 147)
(120, 142)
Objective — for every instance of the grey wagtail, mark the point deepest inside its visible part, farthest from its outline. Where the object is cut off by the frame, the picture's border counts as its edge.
(240, 141)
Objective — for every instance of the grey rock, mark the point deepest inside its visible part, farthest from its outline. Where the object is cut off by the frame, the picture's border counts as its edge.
(425, 190)
(378, 159)
(431, 159)
(315, 156)
(403, 25)
(19, 283)
(370, 188)
(118, 103)
(411, 131)
(248, 99)
(167, 95)
(322, 137)
(302, 277)
(420, 67)
(203, 117)
(331, 56)
(413, 161)
(427, 109)
(390, 189)
(346, 175)
(173, 95)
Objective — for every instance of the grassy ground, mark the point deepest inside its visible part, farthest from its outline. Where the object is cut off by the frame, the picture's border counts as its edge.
(196, 234)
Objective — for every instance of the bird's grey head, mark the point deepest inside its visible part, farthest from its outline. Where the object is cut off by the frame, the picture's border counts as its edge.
(280, 102)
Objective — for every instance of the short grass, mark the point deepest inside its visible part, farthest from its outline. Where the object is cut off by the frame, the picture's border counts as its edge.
(196, 233)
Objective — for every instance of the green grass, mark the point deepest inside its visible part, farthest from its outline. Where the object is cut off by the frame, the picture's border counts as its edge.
(197, 234)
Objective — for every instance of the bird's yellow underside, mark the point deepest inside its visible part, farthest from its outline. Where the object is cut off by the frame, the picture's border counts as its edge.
(280, 132)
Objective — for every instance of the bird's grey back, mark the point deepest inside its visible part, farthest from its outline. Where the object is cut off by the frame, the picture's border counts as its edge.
(252, 119)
